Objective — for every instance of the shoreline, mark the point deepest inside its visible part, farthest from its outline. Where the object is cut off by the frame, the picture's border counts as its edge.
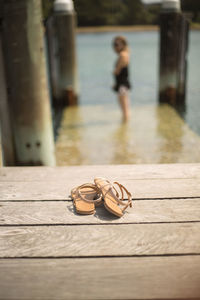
(133, 28)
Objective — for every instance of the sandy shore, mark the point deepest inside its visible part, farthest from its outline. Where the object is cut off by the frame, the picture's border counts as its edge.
(138, 28)
(135, 28)
(195, 26)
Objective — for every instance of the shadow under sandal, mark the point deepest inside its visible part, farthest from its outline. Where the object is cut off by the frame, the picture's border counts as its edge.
(112, 202)
(85, 197)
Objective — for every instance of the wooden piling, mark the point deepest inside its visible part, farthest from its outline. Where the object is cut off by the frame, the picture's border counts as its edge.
(62, 53)
(53, 62)
(8, 155)
(26, 79)
(173, 55)
(182, 63)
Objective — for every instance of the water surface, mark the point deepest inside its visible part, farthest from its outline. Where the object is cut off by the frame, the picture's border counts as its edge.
(93, 133)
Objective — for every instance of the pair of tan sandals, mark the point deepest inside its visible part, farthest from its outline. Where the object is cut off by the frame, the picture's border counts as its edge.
(87, 196)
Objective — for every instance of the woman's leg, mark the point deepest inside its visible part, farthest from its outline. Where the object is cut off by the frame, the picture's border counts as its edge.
(124, 103)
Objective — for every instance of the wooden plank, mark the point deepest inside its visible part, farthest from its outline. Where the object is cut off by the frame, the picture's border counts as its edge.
(101, 278)
(108, 240)
(62, 212)
(112, 172)
(146, 171)
(141, 189)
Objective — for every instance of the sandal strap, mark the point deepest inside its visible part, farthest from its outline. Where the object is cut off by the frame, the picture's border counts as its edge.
(122, 187)
(111, 186)
(94, 187)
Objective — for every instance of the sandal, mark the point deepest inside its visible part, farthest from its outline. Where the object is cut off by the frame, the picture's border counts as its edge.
(85, 197)
(111, 196)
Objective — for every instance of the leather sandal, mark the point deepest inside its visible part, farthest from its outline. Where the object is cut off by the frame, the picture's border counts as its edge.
(85, 198)
(112, 202)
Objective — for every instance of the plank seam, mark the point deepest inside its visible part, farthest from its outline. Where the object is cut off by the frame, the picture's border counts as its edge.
(96, 224)
(102, 256)
(123, 179)
(69, 200)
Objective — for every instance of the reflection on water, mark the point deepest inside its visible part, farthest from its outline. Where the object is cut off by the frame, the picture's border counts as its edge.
(123, 148)
(68, 147)
(95, 135)
(171, 128)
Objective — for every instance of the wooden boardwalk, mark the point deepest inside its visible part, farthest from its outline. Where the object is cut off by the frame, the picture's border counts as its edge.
(47, 251)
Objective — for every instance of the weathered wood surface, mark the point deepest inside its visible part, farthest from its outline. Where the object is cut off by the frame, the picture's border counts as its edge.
(47, 251)
(145, 182)
(126, 240)
(104, 278)
(141, 189)
(63, 212)
(26, 76)
(87, 173)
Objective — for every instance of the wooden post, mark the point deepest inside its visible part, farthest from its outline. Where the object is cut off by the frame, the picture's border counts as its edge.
(5, 124)
(62, 53)
(182, 64)
(26, 79)
(53, 62)
(173, 50)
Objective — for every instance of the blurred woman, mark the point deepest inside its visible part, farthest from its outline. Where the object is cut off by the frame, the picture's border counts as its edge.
(121, 75)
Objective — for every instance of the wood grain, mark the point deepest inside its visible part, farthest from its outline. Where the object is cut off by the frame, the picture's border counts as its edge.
(95, 240)
(101, 278)
(112, 172)
(62, 212)
(47, 251)
(141, 189)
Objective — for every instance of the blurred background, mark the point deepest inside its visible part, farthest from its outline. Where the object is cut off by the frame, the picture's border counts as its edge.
(86, 118)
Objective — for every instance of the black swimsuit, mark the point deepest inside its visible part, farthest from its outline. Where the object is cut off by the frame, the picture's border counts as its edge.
(122, 79)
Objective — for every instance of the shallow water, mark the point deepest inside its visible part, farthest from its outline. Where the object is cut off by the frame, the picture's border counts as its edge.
(154, 134)
(96, 59)
(93, 133)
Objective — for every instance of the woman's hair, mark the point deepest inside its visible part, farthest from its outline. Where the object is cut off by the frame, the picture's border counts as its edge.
(122, 39)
